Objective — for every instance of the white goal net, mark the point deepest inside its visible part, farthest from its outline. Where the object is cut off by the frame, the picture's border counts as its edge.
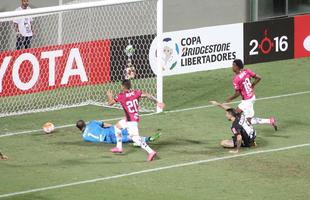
(75, 54)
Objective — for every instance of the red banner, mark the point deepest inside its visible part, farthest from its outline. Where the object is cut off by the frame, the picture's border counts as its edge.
(302, 36)
(48, 68)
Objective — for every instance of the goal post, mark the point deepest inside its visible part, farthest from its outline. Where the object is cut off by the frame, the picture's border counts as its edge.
(77, 52)
(159, 53)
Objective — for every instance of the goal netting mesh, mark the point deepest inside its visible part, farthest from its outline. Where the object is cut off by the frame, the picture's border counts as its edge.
(76, 56)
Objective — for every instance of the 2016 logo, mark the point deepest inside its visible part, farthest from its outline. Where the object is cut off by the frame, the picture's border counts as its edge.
(267, 44)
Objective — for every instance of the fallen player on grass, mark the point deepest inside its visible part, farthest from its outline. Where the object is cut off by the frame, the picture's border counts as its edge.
(101, 132)
(243, 132)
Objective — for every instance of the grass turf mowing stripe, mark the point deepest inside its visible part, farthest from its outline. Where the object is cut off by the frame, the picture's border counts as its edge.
(171, 111)
(153, 170)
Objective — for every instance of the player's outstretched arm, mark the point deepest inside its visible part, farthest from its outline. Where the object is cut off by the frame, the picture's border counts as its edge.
(111, 100)
(152, 98)
(237, 94)
(221, 105)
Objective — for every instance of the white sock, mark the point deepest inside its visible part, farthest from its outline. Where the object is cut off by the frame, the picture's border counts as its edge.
(119, 139)
(256, 120)
(142, 144)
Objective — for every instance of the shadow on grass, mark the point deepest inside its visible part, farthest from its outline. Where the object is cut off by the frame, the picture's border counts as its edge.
(205, 148)
(30, 196)
(260, 142)
(78, 143)
(175, 142)
(284, 128)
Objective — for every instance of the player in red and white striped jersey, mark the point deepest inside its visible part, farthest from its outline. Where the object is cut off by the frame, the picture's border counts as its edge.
(129, 100)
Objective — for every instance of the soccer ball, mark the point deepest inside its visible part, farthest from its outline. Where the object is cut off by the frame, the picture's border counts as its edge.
(129, 50)
(48, 127)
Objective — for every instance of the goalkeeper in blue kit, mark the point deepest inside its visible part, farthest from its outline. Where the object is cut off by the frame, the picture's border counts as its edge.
(101, 132)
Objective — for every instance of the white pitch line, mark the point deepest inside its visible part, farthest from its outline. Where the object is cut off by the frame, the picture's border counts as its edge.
(39, 130)
(234, 102)
(153, 170)
(149, 114)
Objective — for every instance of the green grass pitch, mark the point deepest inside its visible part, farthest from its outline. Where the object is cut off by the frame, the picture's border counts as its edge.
(37, 160)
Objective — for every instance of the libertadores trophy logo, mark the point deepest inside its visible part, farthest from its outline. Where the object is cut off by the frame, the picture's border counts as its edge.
(169, 56)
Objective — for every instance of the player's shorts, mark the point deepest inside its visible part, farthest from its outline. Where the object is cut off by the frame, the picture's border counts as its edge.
(247, 106)
(111, 137)
(132, 127)
(246, 140)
